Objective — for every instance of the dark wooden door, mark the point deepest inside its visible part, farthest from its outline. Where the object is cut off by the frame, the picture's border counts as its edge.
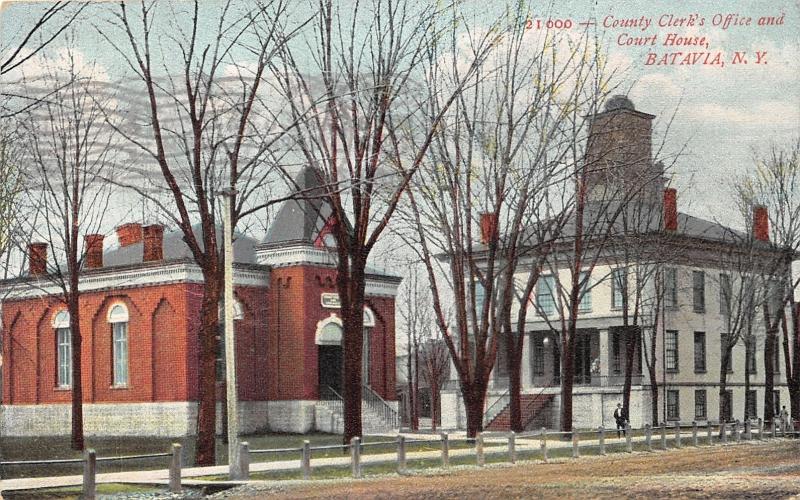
(330, 371)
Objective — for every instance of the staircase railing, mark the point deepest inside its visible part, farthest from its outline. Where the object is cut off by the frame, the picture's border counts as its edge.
(333, 400)
(377, 404)
(496, 407)
(533, 402)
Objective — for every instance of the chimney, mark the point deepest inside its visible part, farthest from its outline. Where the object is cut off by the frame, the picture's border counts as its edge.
(488, 227)
(153, 243)
(129, 233)
(760, 223)
(94, 250)
(670, 209)
(37, 259)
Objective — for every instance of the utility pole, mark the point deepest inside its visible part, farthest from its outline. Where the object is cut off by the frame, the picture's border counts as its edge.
(234, 467)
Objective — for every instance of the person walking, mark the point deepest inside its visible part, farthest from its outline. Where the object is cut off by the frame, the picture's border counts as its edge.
(619, 417)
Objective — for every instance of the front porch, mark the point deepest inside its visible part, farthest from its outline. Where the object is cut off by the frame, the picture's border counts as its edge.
(599, 360)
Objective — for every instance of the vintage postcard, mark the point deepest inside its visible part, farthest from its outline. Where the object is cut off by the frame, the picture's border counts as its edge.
(399, 249)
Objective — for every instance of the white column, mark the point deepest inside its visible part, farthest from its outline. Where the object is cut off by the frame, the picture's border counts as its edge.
(526, 361)
(605, 359)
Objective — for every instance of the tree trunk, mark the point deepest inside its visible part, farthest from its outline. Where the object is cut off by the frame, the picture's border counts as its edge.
(434, 403)
(631, 334)
(351, 291)
(206, 372)
(567, 377)
(514, 360)
(474, 399)
(723, 383)
(769, 375)
(77, 441)
(415, 422)
(747, 415)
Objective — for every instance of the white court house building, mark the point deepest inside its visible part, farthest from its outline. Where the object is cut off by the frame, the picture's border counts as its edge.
(692, 315)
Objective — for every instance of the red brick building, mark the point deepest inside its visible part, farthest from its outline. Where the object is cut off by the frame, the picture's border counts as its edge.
(140, 309)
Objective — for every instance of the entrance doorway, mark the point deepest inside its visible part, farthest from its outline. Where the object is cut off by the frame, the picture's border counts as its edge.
(329, 358)
(330, 371)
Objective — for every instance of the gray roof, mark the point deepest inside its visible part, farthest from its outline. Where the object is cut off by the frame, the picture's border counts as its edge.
(301, 220)
(175, 248)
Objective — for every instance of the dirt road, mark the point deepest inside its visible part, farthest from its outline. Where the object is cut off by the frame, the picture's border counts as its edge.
(752, 470)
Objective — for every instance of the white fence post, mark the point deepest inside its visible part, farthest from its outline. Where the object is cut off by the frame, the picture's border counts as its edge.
(89, 474)
(175, 468)
(602, 439)
(401, 454)
(737, 436)
(305, 461)
(677, 434)
(512, 447)
(628, 438)
(355, 456)
(479, 449)
(544, 444)
(710, 431)
(648, 437)
(445, 450)
(748, 430)
(664, 436)
(723, 432)
(244, 461)
(576, 452)
(695, 441)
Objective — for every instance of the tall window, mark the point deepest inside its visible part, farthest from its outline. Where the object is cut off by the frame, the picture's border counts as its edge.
(671, 288)
(750, 348)
(750, 404)
(544, 295)
(725, 292)
(538, 355)
(671, 348)
(699, 291)
(700, 404)
(118, 317)
(699, 352)
(63, 350)
(619, 285)
(480, 297)
(369, 324)
(673, 405)
(585, 305)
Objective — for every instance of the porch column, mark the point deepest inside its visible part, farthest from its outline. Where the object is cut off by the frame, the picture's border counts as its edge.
(526, 362)
(605, 356)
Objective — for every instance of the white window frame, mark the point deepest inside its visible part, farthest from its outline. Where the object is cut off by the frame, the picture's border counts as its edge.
(120, 363)
(63, 349)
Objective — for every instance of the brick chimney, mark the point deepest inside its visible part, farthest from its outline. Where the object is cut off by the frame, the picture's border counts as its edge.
(94, 250)
(37, 259)
(129, 233)
(153, 243)
(760, 223)
(670, 209)
(488, 227)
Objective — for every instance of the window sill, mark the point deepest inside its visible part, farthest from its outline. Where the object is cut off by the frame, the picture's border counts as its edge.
(702, 311)
(701, 372)
(698, 418)
(62, 388)
(119, 387)
(672, 370)
(673, 419)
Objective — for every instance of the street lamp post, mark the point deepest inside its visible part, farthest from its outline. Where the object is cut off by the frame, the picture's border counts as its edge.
(235, 469)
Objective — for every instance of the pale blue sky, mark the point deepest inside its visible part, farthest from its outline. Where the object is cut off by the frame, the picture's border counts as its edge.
(723, 114)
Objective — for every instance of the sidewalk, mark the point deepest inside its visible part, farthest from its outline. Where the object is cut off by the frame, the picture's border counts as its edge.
(492, 444)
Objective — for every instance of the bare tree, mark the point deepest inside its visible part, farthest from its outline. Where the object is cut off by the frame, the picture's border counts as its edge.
(774, 185)
(210, 125)
(435, 371)
(28, 42)
(416, 317)
(364, 134)
(69, 151)
(508, 141)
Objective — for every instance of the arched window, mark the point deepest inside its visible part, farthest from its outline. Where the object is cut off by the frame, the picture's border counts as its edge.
(329, 331)
(63, 349)
(118, 317)
(368, 323)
